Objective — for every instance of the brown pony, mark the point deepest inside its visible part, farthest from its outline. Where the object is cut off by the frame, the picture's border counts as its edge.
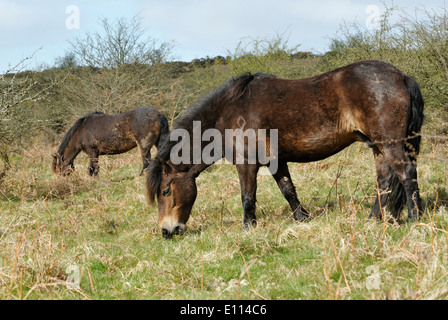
(316, 117)
(101, 134)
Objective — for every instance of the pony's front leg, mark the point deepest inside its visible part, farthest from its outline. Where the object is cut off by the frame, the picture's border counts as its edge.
(248, 182)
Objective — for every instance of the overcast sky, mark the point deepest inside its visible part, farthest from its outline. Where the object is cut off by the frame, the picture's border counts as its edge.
(198, 28)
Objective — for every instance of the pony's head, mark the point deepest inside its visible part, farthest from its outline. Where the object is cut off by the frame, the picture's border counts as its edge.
(175, 192)
(63, 158)
(59, 167)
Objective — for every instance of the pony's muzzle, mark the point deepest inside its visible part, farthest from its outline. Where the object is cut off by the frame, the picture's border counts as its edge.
(169, 231)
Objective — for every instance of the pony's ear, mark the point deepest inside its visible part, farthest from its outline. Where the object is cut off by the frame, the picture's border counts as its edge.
(166, 167)
(193, 173)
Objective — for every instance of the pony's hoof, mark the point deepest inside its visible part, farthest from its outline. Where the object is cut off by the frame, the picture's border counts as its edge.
(414, 214)
(301, 215)
(413, 218)
(249, 225)
(375, 216)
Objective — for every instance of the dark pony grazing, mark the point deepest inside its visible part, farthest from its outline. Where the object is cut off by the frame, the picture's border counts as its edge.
(315, 117)
(100, 134)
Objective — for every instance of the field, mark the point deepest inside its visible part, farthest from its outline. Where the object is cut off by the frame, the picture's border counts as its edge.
(80, 237)
(97, 238)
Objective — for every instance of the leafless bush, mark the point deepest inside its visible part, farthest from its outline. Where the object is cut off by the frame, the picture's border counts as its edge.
(19, 92)
(122, 44)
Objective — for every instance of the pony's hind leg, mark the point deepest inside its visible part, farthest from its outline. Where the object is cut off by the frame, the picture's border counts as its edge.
(284, 182)
(94, 168)
(145, 151)
(384, 176)
(146, 157)
(406, 172)
(248, 180)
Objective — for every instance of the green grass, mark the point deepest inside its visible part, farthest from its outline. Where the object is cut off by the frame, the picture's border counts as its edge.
(54, 230)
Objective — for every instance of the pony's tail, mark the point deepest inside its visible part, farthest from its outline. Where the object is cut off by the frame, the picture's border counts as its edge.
(164, 132)
(411, 144)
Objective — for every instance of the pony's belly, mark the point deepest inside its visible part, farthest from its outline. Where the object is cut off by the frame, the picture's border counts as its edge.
(314, 149)
(117, 146)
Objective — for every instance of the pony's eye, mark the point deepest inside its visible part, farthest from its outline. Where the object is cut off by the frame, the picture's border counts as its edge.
(166, 191)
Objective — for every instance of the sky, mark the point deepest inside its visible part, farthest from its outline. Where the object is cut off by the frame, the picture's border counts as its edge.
(198, 28)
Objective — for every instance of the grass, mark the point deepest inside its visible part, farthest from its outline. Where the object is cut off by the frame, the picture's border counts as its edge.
(97, 238)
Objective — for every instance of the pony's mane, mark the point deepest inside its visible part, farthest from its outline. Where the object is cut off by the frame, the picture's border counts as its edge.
(71, 132)
(206, 111)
